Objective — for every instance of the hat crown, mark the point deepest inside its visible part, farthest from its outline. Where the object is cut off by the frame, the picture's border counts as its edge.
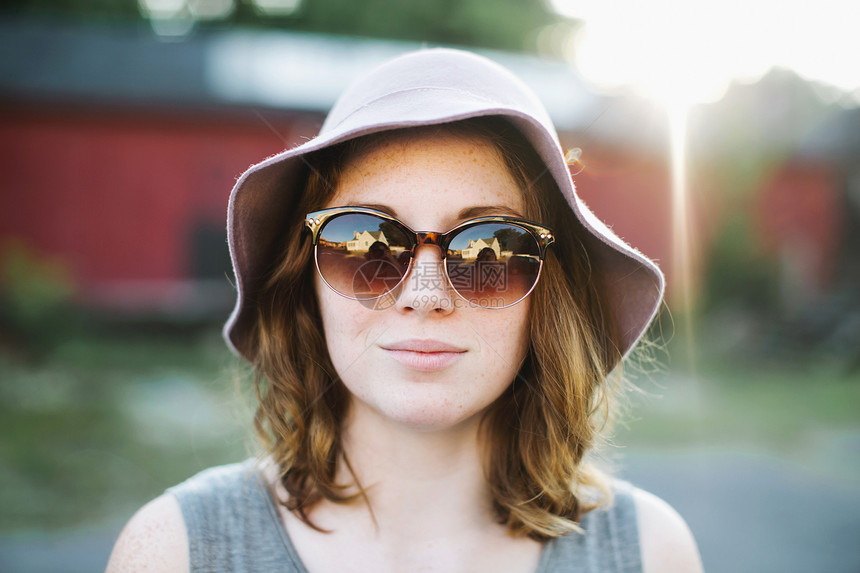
(418, 77)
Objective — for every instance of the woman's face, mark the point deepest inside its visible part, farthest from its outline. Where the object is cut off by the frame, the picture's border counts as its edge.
(429, 360)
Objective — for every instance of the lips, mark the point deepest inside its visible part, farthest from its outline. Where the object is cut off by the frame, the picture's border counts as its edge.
(426, 355)
(423, 345)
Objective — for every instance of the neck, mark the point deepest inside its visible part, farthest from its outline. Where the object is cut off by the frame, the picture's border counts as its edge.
(408, 472)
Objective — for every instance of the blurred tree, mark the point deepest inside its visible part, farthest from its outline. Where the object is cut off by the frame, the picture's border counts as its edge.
(35, 292)
(506, 236)
(500, 24)
(83, 9)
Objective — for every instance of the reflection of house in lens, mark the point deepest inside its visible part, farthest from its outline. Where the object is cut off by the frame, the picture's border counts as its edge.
(477, 245)
(362, 240)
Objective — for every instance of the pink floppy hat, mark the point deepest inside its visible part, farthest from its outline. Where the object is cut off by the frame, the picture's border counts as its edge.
(426, 87)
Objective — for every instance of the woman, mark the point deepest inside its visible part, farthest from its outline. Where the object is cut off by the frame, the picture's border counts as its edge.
(423, 405)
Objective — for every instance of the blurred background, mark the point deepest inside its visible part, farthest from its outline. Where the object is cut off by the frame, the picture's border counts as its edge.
(723, 139)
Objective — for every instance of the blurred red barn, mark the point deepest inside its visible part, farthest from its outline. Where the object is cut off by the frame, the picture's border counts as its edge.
(799, 216)
(134, 201)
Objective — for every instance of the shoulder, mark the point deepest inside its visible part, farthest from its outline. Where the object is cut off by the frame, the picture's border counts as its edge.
(179, 527)
(154, 539)
(666, 541)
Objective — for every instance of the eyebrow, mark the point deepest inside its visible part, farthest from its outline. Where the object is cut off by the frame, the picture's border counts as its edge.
(467, 213)
(377, 206)
(483, 210)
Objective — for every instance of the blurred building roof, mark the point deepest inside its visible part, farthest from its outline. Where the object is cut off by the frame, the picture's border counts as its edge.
(95, 63)
(128, 63)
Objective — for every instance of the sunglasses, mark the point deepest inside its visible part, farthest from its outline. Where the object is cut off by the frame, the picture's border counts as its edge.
(364, 254)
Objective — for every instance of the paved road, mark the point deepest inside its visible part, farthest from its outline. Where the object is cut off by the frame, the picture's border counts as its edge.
(750, 513)
(755, 513)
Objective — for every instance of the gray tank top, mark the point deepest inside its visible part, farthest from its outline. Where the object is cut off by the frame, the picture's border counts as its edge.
(233, 526)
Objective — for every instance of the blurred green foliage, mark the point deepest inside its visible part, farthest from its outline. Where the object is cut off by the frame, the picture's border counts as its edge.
(33, 286)
(35, 294)
(106, 420)
(738, 274)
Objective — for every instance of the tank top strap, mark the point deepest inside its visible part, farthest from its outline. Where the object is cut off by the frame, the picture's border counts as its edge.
(610, 542)
(232, 522)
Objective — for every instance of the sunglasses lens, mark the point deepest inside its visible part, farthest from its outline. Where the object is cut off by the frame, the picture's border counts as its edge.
(362, 256)
(493, 264)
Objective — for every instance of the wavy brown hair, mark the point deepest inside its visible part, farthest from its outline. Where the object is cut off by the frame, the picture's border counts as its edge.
(536, 434)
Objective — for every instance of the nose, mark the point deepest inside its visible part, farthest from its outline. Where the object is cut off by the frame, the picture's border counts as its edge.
(425, 289)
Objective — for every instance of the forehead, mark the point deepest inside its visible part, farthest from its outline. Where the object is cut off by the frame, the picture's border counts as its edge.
(425, 174)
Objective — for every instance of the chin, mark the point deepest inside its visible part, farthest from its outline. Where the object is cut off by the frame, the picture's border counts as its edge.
(423, 412)
(436, 421)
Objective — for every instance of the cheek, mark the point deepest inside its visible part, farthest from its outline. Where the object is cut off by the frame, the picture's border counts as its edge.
(347, 325)
(338, 324)
(504, 336)
(511, 330)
